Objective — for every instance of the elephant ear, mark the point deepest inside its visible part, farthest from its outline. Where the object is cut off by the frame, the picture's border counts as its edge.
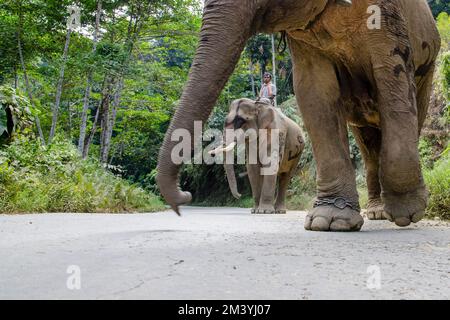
(266, 117)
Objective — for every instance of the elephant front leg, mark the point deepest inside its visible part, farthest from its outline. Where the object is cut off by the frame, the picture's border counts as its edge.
(403, 191)
(267, 195)
(255, 183)
(317, 90)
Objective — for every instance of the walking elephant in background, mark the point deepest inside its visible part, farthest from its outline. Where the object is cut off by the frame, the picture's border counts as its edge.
(252, 116)
(347, 71)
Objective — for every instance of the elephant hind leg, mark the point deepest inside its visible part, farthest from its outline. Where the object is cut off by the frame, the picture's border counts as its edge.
(369, 142)
(280, 203)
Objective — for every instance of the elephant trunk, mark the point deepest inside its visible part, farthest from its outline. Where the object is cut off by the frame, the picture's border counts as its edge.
(231, 177)
(226, 28)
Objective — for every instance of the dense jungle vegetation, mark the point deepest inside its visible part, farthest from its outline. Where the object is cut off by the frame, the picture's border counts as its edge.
(83, 112)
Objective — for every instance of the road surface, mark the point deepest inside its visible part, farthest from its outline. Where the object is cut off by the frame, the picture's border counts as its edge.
(217, 253)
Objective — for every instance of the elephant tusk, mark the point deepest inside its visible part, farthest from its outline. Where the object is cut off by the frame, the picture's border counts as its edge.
(346, 3)
(228, 148)
(243, 174)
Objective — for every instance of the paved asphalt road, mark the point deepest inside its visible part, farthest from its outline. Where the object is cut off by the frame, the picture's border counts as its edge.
(217, 253)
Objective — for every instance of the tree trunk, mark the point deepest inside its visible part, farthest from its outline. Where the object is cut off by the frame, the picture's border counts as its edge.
(59, 87)
(111, 122)
(252, 78)
(69, 110)
(16, 79)
(27, 83)
(88, 141)
(102, 109)
(87, 92)
(104, 123)
(106, 114)
(109, 115)
(274, 69)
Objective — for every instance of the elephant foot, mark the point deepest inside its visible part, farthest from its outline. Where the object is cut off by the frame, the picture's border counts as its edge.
(404, 208)
(265, 210)
(280, 209)
(375, 210)
(333, 218)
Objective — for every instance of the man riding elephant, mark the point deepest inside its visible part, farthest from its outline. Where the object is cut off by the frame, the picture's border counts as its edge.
(375, 78)
(268, 89)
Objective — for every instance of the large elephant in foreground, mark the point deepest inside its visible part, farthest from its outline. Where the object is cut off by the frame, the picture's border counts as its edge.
(265, 122)
(347, 71)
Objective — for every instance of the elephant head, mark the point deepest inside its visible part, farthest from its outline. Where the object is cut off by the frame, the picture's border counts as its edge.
(226, 27)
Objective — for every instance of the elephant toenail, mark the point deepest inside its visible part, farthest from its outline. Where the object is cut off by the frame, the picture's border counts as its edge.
(340, 225)
(308, 223)
(320, 224)
(402, 222)
(388, 216)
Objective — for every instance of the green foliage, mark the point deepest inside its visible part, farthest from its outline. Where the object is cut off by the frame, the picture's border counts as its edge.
(208, 184)
(443, 25)
(302, 190)
(34, 178)
(443, 64)
(259, 49)
(244, 202)
(8, 51)
(15, 114)
(445, 83)
(110, 58)
(426, 153)
(290, 109)
(438, 183)
(438, 6)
